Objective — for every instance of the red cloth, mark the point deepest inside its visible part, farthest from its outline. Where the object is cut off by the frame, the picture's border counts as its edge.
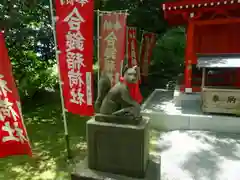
(78, 95)
(134, 90)
(13, 134)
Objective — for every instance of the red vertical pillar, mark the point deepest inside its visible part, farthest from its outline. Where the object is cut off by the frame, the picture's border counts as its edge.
(189, 55)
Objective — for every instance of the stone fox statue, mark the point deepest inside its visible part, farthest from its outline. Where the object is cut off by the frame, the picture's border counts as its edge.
(117, 100)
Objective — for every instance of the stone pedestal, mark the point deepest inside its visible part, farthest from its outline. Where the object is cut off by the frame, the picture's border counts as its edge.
(82, 172)
(118, 149)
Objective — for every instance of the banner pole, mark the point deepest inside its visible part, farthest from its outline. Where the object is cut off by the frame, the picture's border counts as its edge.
(98, 42)
(126, 44)
(139, 56)
(60, 83)
(127, 58)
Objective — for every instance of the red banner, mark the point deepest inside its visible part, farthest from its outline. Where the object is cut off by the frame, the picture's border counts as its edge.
(132, 51)
(13, 134)
(75, 44)
(148, 43)
(112, 44)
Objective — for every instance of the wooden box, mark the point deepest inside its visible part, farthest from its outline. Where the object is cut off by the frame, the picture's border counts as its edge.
(221, 100)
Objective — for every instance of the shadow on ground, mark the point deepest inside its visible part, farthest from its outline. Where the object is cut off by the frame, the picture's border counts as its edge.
(46, 132)
(196, 155)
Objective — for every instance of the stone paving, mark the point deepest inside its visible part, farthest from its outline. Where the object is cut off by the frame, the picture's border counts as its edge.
(162, 101)
(197, 155)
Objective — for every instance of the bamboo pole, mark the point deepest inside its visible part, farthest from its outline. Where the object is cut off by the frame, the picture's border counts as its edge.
(126, 44)
(60, 83)
(139, 56)
(98, 42)
(126, 54)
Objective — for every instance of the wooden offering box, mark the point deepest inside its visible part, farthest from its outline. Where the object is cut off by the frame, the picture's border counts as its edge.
(220, 99)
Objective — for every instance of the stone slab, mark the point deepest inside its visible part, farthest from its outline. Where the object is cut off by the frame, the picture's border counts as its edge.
(216, 123)
(165, 115)
(82, 172)
(117, 148)
(169, 122)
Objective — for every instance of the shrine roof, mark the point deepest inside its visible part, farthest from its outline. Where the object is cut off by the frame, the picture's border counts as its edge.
(173, 10)
(218, 61)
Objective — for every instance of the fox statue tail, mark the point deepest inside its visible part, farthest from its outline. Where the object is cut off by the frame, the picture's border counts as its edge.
(104, 86)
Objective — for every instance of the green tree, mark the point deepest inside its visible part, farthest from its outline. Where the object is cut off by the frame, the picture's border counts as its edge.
(168, 56)
(144, 14)
(27, 25)
(30, 43)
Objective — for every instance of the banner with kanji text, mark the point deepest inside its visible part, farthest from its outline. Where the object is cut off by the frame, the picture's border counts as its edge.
(148, 43)
(112, 44)
(13, 134)
(74, 29)
(132, 47)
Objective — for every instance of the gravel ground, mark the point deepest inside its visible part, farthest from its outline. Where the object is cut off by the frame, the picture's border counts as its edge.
(197, 155)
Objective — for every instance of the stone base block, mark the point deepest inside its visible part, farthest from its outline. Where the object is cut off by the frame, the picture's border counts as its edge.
(118, 149)
(82, 172)
(117, 119)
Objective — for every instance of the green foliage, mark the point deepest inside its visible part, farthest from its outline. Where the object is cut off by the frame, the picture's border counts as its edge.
(168, 55)
(46, 133)
(29, 38)
(144, 14)
(30, 43)
(44, 79)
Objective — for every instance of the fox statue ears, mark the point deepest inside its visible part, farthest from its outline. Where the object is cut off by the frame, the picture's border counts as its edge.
(126, 68)
(135, 67)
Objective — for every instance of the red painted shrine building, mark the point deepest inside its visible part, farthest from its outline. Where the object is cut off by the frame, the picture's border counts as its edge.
(212, 27)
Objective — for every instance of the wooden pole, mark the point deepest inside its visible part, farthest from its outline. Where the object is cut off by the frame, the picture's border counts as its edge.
(203, 77)
(202, 86)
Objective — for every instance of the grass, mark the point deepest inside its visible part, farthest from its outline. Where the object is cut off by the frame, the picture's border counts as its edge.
(46, 132)
(45, 129)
